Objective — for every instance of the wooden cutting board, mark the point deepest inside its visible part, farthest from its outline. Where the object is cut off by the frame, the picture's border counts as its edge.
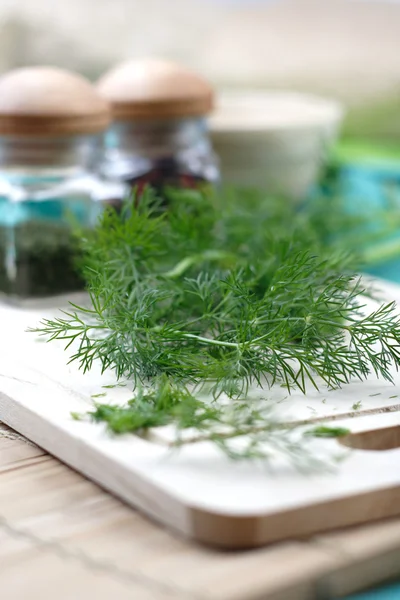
(198, 491)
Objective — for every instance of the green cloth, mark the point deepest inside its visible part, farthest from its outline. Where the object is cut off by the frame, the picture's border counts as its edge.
(366, 153)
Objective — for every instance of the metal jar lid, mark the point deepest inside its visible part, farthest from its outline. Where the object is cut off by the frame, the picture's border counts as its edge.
(155, 89)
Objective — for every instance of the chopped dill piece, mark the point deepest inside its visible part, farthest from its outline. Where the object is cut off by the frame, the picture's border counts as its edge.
(77, 416)
(328, 432)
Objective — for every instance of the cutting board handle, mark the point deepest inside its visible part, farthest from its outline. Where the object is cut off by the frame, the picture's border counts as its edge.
(376, 439)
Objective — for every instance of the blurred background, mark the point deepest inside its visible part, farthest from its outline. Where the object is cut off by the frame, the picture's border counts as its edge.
(347, 49)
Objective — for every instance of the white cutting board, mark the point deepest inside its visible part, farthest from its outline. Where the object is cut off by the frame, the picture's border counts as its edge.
(197, 490)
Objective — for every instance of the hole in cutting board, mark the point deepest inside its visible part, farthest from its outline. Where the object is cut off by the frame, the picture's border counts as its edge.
(376, 439)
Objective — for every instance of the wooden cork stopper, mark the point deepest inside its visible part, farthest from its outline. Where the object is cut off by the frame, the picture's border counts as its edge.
(46, 101)
(155, 89)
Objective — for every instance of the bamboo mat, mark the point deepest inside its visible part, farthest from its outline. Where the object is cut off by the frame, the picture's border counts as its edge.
(63, 537)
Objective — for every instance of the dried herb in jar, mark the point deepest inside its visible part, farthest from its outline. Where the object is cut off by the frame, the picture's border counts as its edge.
(159, 136)
(38, 259)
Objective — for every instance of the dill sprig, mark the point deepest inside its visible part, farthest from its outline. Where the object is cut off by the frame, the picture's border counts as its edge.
(240, 428)
(216, 294)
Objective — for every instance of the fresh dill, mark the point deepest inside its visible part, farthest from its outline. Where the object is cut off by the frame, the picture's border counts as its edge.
(327, 432)
(215, 295)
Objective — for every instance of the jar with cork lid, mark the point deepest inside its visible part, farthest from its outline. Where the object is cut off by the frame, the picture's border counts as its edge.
(51, 126)
(159, 134)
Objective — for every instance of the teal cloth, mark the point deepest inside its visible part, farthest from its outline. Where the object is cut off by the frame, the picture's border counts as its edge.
(65, 207)
(390, 592)
(370, 188)
(370, 191)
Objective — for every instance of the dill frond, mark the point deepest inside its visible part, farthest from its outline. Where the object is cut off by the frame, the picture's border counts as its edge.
(220, 292)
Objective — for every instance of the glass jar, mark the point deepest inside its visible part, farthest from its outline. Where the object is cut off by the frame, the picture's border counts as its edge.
(159, 135)
(48, 181)
(161, 153)
(47, 187)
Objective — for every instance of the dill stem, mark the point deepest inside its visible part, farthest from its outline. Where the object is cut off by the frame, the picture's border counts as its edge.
(381, 252)
(205, 340)
(227, 435)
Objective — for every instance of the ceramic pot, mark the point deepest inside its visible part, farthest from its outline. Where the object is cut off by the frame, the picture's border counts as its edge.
(273, 140)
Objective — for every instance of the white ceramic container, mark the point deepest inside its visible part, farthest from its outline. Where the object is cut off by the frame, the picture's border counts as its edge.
(274, 140)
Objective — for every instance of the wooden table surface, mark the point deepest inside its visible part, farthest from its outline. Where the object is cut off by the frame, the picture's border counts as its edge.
(63, 537)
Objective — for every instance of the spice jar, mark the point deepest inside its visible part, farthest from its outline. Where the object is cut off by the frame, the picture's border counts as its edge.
(159, 135)
(51, 123)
